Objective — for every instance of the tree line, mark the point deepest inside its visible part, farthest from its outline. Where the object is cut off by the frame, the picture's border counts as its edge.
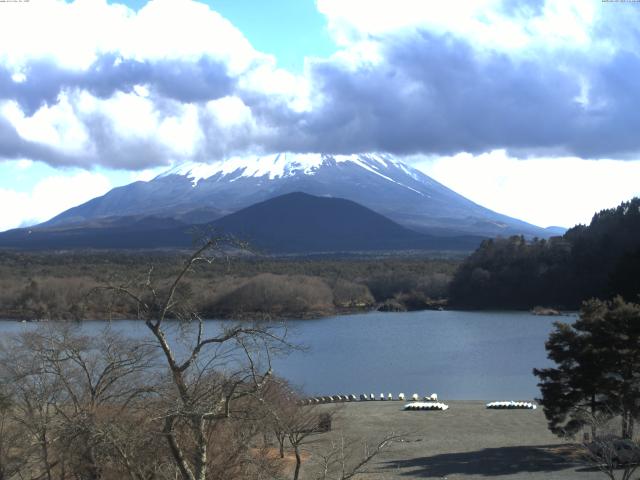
(54, 286)
(600, 260)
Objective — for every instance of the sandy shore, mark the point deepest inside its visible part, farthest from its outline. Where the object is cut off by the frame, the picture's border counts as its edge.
(465, 442)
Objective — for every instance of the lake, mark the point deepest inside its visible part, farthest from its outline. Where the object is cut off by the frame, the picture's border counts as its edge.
(459, 355)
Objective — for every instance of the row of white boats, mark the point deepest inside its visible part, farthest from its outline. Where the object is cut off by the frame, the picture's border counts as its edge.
(510, 405)
(365, 398)
(428, 402)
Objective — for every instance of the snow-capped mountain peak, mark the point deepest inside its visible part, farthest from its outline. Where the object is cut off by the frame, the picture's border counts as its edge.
(201, 192)
(282, 165)
(273, 166)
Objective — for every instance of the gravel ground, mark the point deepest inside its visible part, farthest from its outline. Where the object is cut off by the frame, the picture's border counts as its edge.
(465, 442)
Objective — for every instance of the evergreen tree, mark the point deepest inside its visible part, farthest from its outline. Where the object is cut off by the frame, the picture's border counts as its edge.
(616, 342)
(571, 392)
(597, 368)
(600, 260)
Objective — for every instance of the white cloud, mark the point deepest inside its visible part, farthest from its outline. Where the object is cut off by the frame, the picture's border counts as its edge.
(85, 99)
(545, 192)
(56, 125)
(181, 132)
(72, 35)
(130, 114)
(146, 175)
(229, 111)
(24, 164)
(485, 23)
(265, 78)
(349, 19)
(48, 198)
(184, 29)
(65, 33)
(162, 72)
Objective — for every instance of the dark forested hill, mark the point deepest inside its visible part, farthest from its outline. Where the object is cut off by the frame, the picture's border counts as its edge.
(292, 223)
(598, 260)
(298, 222)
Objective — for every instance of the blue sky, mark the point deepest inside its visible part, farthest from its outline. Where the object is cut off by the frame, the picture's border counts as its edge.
(526, 107)
(289, 29)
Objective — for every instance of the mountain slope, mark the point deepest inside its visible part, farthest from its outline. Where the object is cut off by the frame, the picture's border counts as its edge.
(298, 222)
(111, 233)
(379, 182)
(291, 223)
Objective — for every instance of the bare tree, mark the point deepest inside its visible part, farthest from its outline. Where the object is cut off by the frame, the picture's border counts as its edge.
(289, 420)
(301, 425)
(337, 462)
(71, 393)
(12, 439)
(280, 409)
(33, 398)
(209, 374)
(617, 458)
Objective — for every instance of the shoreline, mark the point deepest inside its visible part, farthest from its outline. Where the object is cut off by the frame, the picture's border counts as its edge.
(271, 317)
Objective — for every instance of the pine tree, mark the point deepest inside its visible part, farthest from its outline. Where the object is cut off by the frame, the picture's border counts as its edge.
(597, 369)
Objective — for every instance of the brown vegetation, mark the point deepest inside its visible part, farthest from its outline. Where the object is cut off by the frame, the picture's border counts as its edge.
(98, 408)
(268, 295)
(56, 286)
(192, 408)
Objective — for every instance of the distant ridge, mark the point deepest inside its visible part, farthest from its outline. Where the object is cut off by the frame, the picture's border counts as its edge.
(291, 223)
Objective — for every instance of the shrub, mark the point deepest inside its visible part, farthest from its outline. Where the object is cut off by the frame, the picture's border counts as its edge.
(271, 294)
(350, 294)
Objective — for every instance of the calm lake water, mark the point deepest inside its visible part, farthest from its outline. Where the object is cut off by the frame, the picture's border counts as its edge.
(459, 355)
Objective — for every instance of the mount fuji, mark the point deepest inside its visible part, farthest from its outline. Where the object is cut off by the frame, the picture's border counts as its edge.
(196, 193)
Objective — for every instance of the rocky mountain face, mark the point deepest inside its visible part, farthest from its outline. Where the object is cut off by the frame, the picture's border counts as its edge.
(200, 193)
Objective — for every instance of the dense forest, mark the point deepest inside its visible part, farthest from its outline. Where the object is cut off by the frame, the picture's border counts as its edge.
(599, 260)
(65, 285)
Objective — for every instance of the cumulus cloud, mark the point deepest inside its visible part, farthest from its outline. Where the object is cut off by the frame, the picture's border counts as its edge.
(545, 192)
(42, 81)
(534, 79)
(48, 198)
(434, 94)
(14, 146)
(75, 35)
(127, 81)
(176, 81)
